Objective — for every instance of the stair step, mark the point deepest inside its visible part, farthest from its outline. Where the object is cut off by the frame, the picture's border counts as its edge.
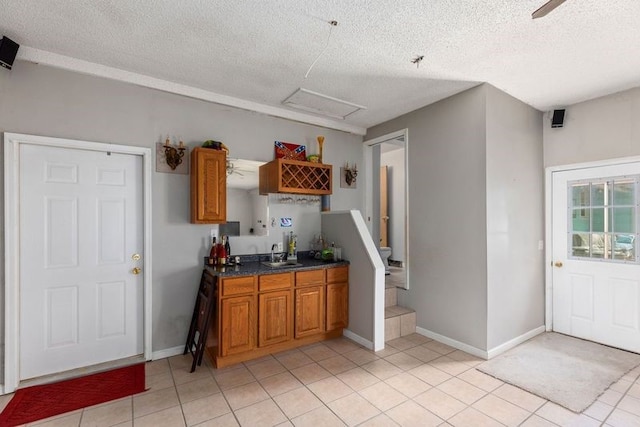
(398, 322)
(390, 296)
(396, 310)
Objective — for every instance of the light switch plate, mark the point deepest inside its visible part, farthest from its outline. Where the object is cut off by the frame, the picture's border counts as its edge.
(280, 247)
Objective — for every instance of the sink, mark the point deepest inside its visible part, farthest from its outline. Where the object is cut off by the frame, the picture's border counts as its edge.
(281, 264)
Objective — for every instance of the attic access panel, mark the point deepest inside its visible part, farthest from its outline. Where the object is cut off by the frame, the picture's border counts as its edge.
(318, 103)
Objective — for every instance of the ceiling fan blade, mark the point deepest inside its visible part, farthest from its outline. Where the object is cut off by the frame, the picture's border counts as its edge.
(546, 8)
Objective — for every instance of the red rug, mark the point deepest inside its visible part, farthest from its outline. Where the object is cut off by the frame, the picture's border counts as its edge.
(44, 401)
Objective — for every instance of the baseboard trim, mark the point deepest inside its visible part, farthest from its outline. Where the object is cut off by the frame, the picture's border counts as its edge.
(357, 338)
(453, 343)
(167, 352)
(514, 342)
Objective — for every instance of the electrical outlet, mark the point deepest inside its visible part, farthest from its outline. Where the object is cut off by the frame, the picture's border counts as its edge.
(280, 248)
(213, 233)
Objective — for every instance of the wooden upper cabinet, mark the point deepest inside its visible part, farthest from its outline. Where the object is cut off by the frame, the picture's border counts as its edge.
(208, 186)
(295, 176)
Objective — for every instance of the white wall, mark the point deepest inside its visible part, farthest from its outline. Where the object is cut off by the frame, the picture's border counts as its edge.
(396, 201)
(602, 128)
(447, 214)
(42, 100)
(515, 218)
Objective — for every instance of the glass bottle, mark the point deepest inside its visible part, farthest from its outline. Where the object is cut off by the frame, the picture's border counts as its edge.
(213, 253)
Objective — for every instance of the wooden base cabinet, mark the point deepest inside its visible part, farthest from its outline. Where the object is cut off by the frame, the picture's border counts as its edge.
(309, 311)
(275, 324)
(260, 315)
(337, 306)
(238, 324)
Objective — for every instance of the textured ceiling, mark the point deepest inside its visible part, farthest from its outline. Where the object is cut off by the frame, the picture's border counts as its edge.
(260, 50)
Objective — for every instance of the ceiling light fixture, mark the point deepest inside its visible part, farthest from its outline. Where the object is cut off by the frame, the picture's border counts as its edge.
(417, 60)
(332, 24)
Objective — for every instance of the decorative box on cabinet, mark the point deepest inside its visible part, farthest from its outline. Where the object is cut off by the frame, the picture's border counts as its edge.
(208, 186)
(295, 176)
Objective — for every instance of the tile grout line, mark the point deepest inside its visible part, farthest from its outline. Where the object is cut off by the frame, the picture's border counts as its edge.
(620, 400)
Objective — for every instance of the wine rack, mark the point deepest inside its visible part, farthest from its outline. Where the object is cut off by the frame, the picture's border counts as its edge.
(295, 176)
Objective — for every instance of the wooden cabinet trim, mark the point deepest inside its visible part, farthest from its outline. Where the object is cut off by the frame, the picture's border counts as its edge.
(270, 282)
(310, 277)
(338, 274)
(238, 285)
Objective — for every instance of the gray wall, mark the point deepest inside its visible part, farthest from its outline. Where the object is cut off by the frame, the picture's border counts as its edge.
(42, 100)
(341, 228)
(603, 128)
(515, 218)
(396, 200)
(447, 214)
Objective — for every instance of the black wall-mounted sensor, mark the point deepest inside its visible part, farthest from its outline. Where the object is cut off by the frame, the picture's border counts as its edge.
(557, 121)
(8, 52)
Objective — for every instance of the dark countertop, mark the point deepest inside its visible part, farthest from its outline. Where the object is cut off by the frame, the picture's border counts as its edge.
(254, 267)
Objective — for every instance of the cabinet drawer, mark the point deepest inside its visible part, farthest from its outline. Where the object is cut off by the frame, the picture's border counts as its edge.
(313, 277)
(338, 274)
(272, 282)
(238, 285)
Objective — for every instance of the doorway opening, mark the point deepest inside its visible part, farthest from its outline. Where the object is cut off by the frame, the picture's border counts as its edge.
(387, 204)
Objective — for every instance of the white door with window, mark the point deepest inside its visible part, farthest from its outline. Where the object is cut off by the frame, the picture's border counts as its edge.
(81, 255)
(595, 263)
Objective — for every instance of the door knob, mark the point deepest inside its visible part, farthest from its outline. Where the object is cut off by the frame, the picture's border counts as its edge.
(136, 257)
(558, 264)
(136, 270)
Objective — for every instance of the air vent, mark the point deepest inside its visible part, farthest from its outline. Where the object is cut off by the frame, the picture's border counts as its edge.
(318, 103)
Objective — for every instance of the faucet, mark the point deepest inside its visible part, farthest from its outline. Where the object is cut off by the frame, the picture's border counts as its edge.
(273, 248)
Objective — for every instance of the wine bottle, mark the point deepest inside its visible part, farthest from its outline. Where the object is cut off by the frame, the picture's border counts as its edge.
(213, 253)
(222, 254)
(227, 247)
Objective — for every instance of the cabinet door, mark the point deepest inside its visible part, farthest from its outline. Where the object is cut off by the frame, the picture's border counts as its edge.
(275, 311)
(238, 325)
(337, 306)
(309, 311)
(208, 186)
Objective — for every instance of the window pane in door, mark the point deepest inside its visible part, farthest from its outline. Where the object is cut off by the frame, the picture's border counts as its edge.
(600, 245)
(601, 219)
(581, 219)
(624, 220)
(624, 247)
(624, 192)
(580, 195)
(600, 194)
(580, 244)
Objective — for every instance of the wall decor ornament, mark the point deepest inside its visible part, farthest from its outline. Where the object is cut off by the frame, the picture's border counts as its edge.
(169, 157)
(348, 176)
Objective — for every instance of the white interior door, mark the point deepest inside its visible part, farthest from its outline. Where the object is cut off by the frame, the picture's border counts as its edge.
(596, 270)
(81, 237)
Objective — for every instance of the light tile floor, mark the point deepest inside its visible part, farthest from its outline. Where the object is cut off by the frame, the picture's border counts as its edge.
(413, 382)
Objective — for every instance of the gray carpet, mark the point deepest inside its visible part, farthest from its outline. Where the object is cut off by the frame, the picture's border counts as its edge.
(568, 371)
